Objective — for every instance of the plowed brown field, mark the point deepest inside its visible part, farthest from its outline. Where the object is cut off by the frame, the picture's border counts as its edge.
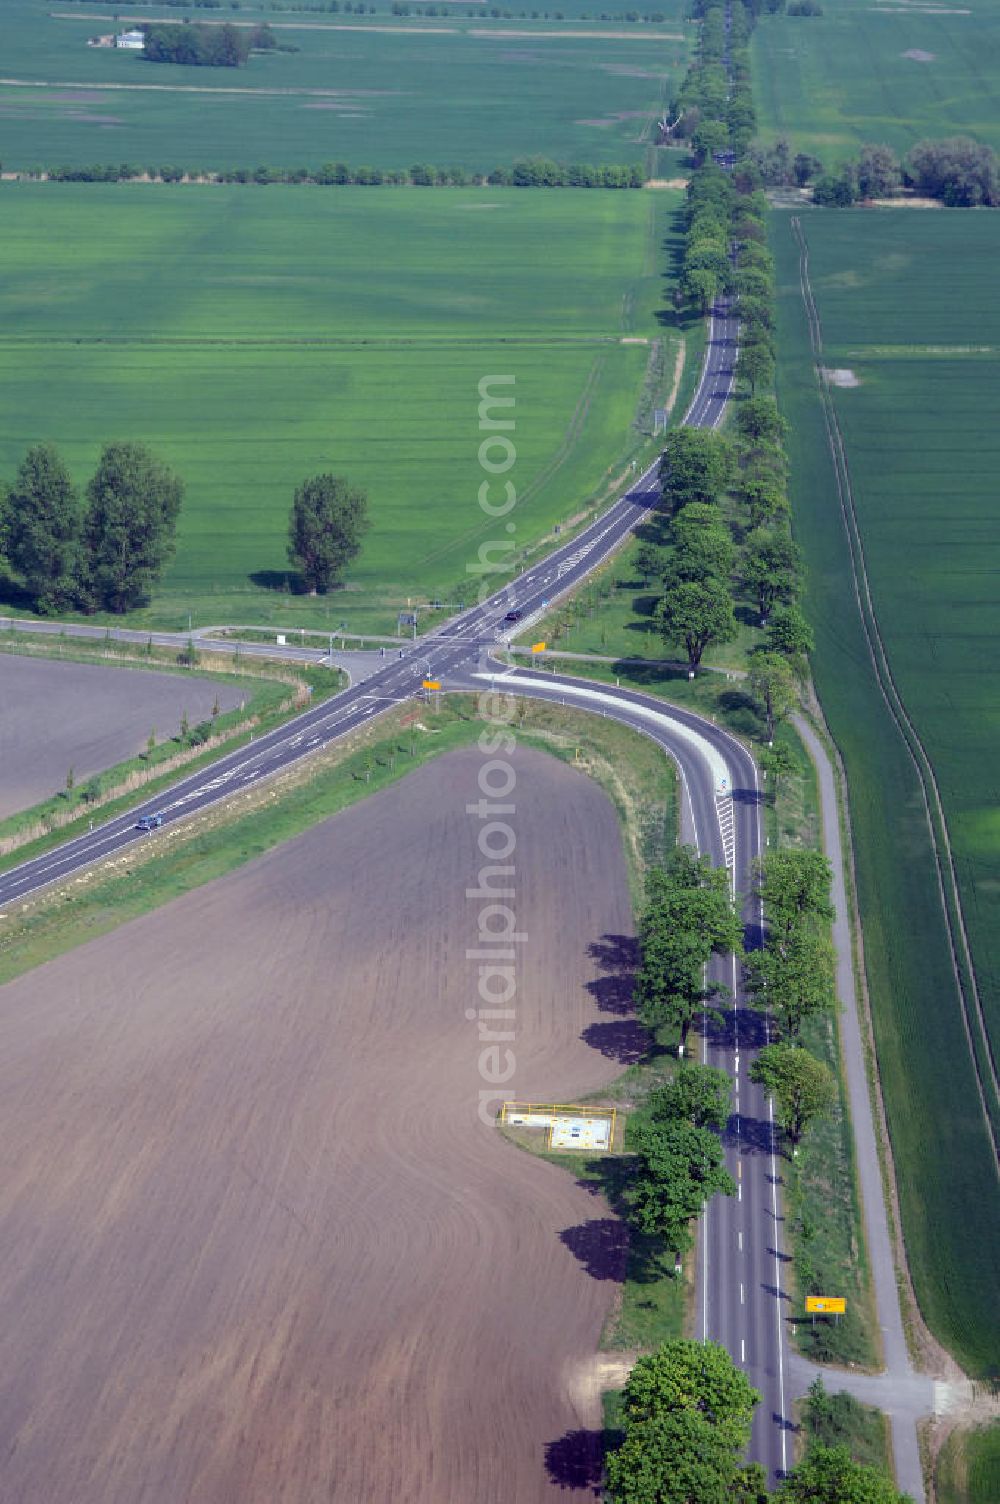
(256, 1245)
(55, 716)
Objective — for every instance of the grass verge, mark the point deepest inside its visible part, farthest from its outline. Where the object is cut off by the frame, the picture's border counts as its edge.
(839, 1420)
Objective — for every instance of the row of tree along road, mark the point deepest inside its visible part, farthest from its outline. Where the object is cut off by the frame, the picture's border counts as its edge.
(722, 535)
(689, 914)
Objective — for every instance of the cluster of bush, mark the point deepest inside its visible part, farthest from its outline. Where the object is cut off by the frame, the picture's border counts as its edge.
(530, 172)
(200, 46)
(101, 553)
(962, 173)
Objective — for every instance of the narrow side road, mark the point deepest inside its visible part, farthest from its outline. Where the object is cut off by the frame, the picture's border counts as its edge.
(904, 1394)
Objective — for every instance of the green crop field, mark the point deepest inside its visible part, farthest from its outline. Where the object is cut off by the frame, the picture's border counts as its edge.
(907, 306)
(472, 92)
(968, 1468)
(253, 337)
(889, 72)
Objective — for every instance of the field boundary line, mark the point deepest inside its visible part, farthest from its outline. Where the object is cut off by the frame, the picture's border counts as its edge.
(948, 889)
(389, 342)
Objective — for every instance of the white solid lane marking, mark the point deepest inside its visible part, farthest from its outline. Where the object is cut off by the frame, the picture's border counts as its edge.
(743, 1350)
(742, 1295)
(717, 765)
(740, 1236)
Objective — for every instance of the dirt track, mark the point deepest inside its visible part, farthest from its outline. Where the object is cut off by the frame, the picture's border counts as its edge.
(55, 716)
(257, 1247)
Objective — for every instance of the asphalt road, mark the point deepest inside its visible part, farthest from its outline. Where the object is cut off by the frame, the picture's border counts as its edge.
(740, 1254)
(740, 1248)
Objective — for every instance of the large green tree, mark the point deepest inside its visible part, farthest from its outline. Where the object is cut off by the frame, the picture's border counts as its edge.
(695, 613)
(759, 421)
(697, 465)
(829, 1475)
(802, 1086)
(687, 1415)
(679, 1458)
(773, 685)
(679, 1167)
(789, 632)
(689, 912)
(796, 980)
(132, 506)
(328, 520)
(703, 545)
(756, 365)
(42, 529)
(794, 884)
(763, 494)
(770, 568)
(698, 1377)
(697, 1094)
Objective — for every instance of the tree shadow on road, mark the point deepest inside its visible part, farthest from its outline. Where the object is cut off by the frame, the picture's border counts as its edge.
(751, 1135)
(721, 1030)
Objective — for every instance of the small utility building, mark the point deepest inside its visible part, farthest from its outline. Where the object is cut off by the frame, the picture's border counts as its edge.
(134, 41)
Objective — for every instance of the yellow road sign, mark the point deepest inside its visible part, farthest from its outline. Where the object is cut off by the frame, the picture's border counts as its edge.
(538, 647)
(825, 1305)
(432, 684)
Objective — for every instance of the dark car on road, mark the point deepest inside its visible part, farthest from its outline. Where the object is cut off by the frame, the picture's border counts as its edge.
(149, 822)
(513, 616)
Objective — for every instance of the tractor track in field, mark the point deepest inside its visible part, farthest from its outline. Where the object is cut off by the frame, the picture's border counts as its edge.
(973, 1017)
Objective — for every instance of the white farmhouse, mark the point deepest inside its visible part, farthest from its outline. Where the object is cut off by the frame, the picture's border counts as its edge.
(134, 41)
